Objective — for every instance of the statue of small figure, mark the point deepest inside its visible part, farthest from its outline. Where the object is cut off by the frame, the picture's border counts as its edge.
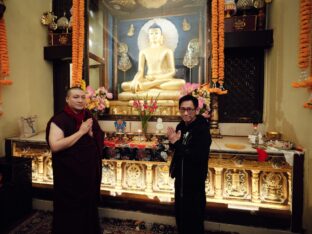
(190, 59)
(120, 125)
(186, 25)
(159, 125)
(130, 30)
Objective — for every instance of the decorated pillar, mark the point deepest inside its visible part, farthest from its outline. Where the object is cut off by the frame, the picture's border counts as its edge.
(218, 182)
(289, 189)
(255, 193)
(119, 175)
(149, 178)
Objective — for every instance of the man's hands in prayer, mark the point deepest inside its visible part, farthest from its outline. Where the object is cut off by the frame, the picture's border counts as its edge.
(172, 135)
(86, 126)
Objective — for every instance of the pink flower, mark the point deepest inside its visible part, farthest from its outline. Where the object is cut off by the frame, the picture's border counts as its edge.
(188, 88)
(145, 107)
(90, 92)
(137, 104)
(201, 102)
(101, 106)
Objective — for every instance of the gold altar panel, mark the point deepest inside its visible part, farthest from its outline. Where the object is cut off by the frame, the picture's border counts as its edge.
(163, 182)
(109, 172)
(134, 176)
(273, 187)
(232, 178)
(236, 184)
(210, 183)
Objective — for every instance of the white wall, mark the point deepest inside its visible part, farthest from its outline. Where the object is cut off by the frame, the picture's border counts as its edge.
(284, 104)
(32, 90)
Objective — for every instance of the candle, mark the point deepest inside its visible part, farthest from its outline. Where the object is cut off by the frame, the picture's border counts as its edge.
(51, 6)
(139, 131)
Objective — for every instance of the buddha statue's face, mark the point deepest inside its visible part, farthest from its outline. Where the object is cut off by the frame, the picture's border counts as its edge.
(155, 35)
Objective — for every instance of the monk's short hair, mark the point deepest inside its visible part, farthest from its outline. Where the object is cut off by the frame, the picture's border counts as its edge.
(72, 88)
(189, 98)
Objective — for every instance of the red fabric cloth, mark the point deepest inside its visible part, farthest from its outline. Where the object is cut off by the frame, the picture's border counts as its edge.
(262, 155)
(109, 143)
(139, 146)
(78, 117)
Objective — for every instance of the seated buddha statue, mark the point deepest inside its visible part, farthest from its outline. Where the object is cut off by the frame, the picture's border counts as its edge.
(159, 77)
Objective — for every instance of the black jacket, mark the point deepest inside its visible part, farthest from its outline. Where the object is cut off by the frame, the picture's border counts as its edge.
(191, 152)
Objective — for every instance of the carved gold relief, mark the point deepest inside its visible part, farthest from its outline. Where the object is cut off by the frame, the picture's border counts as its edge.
(134, 176)
(209, 188)
(108, 174)
(163, 182)
(236, 184)
(48, 173)
(273, 187)
(266, 184)
(34, 168)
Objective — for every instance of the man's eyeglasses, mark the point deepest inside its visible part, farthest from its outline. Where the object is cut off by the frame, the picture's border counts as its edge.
(188, 110)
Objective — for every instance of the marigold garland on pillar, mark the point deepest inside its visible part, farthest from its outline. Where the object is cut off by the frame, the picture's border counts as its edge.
(221, 43)
(214, 41)
(217, 46)
(304, 56)
(77, 42)
(4, 59)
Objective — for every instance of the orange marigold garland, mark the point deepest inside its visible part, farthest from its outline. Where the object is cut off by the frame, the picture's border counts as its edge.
(4, 59)
(4, 55)
(305, 54)
(77, 42)
(214, 41)
(217, 46)
(221, 43)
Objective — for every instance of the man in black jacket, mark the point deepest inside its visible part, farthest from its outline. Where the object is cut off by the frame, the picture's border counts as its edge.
(191, 143)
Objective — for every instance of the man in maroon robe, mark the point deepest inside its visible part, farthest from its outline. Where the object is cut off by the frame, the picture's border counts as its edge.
(76, 142)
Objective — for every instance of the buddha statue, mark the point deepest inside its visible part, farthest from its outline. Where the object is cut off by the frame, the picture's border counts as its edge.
(160, 70)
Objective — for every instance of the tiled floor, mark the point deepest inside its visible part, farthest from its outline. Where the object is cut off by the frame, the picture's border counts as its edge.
(149, 218)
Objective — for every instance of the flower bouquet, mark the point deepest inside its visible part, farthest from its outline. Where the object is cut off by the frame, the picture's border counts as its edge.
(145, 108)
(97, 100)
(200, 92)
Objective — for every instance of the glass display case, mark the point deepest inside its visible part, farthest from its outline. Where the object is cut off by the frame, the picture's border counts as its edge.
(147, 48)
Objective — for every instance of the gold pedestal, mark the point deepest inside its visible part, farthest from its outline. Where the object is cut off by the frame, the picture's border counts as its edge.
(165, 108)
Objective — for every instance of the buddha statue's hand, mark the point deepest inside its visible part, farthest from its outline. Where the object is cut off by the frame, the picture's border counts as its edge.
(150, 78)
(135, 86)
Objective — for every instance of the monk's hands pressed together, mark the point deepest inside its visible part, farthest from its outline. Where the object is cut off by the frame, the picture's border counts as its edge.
(86, 126)
(172, 135)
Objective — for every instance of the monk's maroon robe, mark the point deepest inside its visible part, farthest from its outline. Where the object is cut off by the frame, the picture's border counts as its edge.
(76, 178)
